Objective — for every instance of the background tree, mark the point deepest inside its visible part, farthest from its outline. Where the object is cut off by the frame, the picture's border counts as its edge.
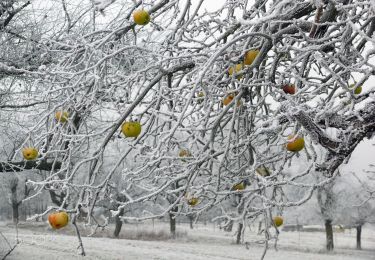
(357, 209)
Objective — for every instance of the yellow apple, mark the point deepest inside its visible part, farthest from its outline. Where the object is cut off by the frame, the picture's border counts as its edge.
(250, 56)
(131, 129)
(29, 153)
(295, 144)
(141, 17)
(229, 98)
(58, 220)
(239, 186)
(278, 221)
(236, 69)
(61, 116)
(193, 201)
(357, 90)
(184, 153)
(200, 97)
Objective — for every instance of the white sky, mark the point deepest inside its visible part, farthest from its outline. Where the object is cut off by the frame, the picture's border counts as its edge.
(363, 156)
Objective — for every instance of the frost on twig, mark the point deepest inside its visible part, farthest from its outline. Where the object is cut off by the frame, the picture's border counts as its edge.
(100, 5)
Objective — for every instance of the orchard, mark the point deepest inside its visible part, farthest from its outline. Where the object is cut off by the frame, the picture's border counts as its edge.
(184, 108)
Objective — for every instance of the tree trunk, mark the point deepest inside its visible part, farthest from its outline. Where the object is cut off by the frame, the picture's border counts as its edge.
(359, 231)
(229, 227)
(172, 223)
(191, 220)
(13, 199)
(118, 224)
(259, 227)
(329, 234)
(15, 213)
(239, 233)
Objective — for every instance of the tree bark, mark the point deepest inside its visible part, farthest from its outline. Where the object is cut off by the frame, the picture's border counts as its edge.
(14, 200)
(172, 222)
(191, 219)
(359, 232)
(239, 233)
(119, 222)
(329, 234)
(229, 227)
(15, 213)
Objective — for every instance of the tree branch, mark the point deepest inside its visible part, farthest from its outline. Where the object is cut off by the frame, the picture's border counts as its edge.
(315, 131)
(12, 14)
(28, 165)
(23, 105)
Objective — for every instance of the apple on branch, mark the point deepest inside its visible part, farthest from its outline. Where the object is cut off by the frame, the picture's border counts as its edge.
(295, 143)
(141, 17)
(30, 153)
(131, 129)
(58, 220)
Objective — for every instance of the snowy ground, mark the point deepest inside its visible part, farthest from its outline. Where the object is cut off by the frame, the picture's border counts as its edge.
(204, 242)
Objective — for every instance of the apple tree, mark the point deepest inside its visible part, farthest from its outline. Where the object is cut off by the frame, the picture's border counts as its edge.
(228, 97)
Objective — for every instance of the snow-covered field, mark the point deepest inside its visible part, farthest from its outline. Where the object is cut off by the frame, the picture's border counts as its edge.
(203, 242)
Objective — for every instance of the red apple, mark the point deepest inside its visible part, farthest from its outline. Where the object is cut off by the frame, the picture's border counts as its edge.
(58, 220)
(289, 89)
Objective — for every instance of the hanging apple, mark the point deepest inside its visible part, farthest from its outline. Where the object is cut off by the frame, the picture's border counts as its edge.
(200, 97)
(184, 153)
(289, 89)
(131, 129)
(278, 221)
(193, 201)
(229, 98)
(295, 143)
(61, 116)
(141, 17)
(239, 186)
(250, 56)
(30, 153)
(236, 69)
(357, 90)
(58, 220)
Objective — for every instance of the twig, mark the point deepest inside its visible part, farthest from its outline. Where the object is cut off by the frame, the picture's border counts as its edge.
(318, 15)
(80, 243)
(9, 252)
(10, 247)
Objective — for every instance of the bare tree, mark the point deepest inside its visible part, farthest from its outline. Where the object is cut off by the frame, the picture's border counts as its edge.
(357, 206)
(212, 82)
(14, 195)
